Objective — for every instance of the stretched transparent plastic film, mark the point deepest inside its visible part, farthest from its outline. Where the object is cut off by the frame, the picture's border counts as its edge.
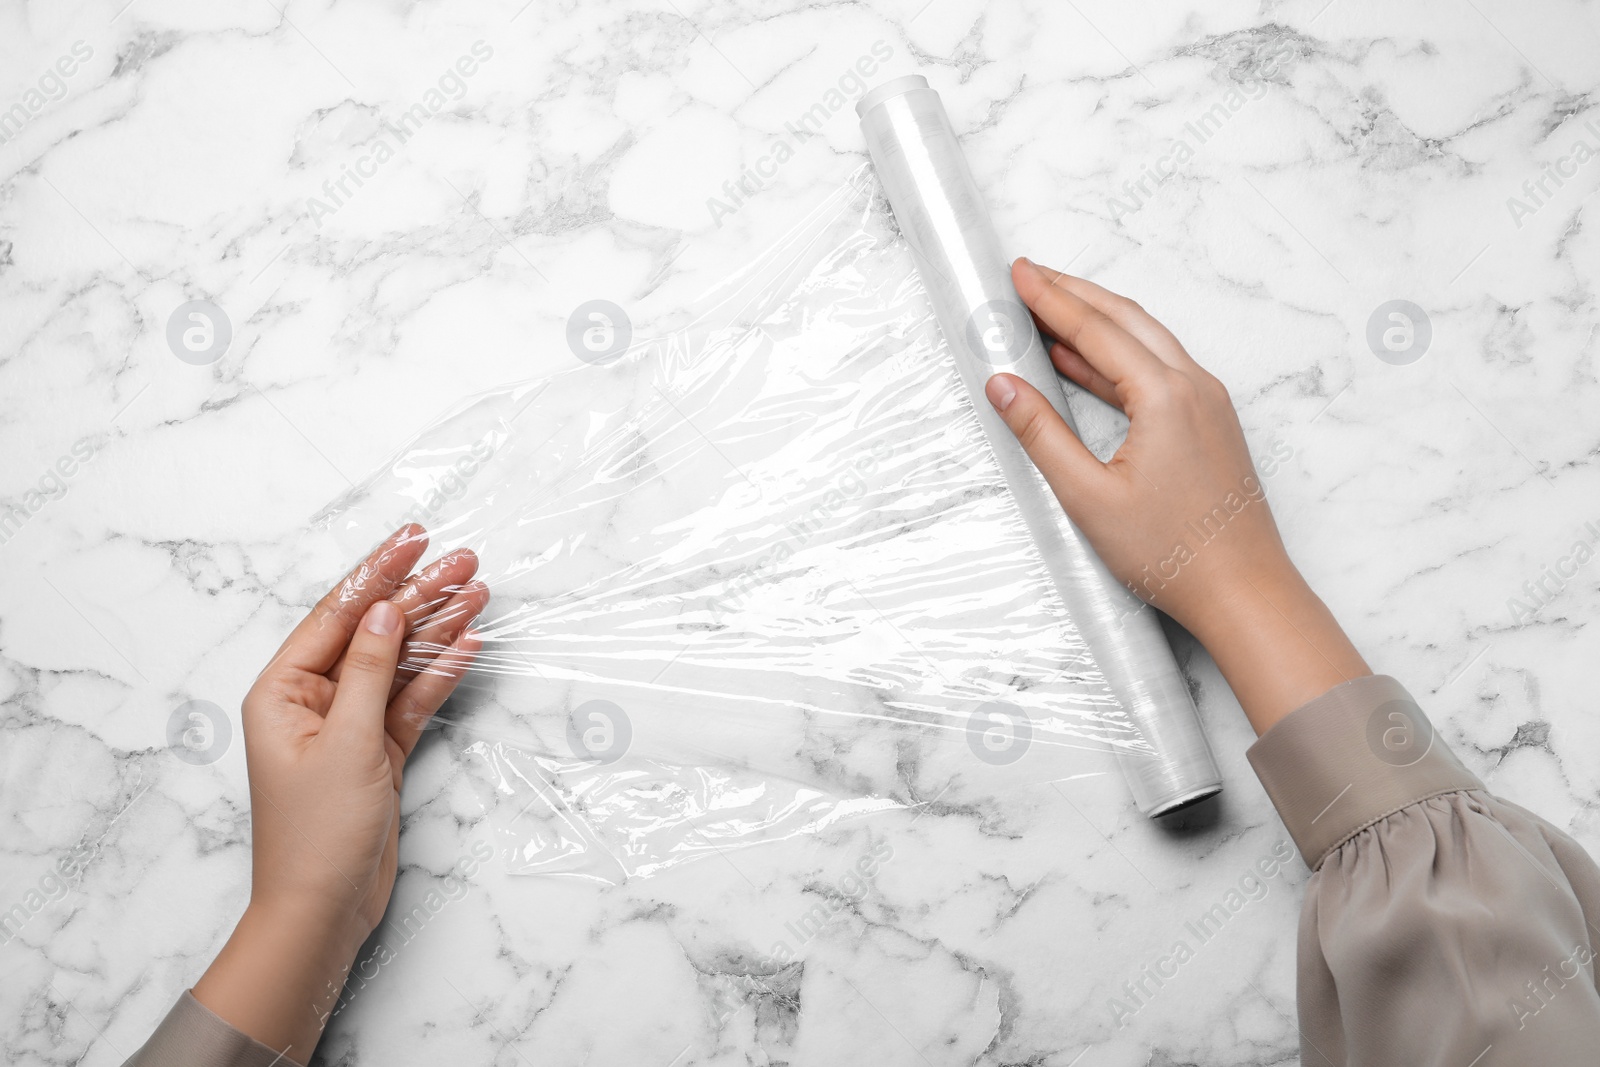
(748, 576)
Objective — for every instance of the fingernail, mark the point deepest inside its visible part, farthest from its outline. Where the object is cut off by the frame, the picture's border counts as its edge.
(1030, 264)
(383, 618)
(1001, 392)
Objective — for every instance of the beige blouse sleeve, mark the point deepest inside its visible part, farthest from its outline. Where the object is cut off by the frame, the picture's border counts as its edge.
(191, 1036)
(1442, 925)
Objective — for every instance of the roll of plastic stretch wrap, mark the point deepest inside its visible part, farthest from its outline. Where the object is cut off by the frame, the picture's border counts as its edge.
(957, 252)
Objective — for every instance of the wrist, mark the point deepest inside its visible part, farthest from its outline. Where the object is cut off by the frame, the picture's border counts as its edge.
(278, 978)
(1255, 599)
(325, 926)
(1277, 644)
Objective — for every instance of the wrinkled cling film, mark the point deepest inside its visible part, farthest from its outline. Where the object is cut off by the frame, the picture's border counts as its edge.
(744, 574)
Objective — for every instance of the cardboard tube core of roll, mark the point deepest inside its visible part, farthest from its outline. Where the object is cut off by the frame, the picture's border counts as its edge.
(957, 253)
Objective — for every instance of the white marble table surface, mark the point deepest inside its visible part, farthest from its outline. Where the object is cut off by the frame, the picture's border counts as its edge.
(154, 545)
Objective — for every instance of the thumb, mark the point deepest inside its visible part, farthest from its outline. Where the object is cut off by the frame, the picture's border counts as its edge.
(362, 697)
(1066, 462)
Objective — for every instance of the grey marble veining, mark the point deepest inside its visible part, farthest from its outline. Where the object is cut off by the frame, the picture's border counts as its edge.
(1267, 179)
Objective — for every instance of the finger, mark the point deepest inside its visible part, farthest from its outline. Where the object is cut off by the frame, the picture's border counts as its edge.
(1126, 313)
(316, 644)
(1071, 363)
(434, 633)
(427, 591)
(410, 712)
(360, 701)
(1066, 463)
(1069, 318)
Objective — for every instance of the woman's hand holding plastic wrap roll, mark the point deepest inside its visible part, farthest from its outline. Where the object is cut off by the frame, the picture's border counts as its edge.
(1442, 925)
(1178, 513)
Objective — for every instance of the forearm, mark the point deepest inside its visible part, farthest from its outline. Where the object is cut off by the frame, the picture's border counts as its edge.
(1278, 645)
(280, 973)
